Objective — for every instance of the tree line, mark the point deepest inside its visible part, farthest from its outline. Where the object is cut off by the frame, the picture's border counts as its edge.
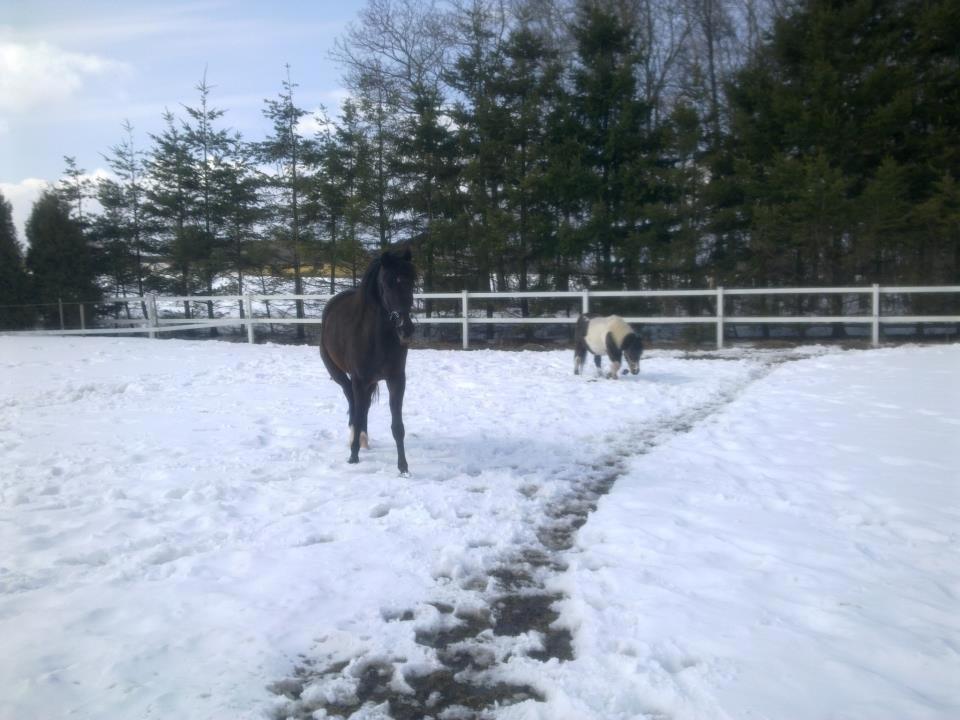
(545, 144)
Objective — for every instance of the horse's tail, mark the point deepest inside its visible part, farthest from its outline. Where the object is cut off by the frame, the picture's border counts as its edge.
(583, 323)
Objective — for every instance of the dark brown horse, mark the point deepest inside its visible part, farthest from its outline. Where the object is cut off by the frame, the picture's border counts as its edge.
(363, 340)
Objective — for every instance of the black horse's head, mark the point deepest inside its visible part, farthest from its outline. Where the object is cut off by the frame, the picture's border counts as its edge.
(395, 281)
(632, 350)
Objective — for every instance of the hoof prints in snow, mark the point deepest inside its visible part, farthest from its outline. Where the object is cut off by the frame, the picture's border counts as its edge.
(519, 607)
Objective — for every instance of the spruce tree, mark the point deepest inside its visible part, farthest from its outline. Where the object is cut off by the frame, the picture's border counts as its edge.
(208, 146)
(171, 199)
(59, 258)
(14, 284)
(612, 141)
(121, 225)
(287, 152)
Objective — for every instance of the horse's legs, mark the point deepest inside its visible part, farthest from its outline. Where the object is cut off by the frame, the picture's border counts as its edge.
(397, 386)
(596, 361)
(362, 428)
(343, 380)
(361, 404)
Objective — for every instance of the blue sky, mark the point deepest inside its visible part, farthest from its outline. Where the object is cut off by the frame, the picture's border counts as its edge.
(72, 71)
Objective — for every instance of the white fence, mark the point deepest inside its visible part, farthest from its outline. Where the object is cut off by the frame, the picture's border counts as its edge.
(154, 324)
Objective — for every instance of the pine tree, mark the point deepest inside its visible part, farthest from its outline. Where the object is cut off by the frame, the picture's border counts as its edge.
(481, 122)
(76, 187)
(59, 258)
(240, 206)
(14, 283)
(287, 151)
(347, 191)
(208, 145)
(171, 197)
(858, 98)
(527, 89)
(427, 172)
(612, 140)
(121, 223)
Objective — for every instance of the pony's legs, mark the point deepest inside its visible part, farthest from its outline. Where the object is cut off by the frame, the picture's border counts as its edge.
(596, 361)
(579, 355)
(397, 386)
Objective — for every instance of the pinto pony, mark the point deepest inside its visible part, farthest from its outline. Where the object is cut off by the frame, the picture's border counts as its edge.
(363, 340)
(607, 335)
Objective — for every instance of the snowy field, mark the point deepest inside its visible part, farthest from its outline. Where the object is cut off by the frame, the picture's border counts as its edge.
(182, 537)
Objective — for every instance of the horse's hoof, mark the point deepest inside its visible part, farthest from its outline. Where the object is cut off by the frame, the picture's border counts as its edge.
(353, 460)
(404, 473)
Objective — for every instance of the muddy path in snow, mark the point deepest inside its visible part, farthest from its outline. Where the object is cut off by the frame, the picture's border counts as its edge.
(518, 617)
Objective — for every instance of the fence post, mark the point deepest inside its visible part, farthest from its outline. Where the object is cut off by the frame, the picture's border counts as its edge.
(248, 307)
(60, 306)
(719, 317)
(585, 301)
(83, 319)
(466, 320)
(152, 321)
(875, 310)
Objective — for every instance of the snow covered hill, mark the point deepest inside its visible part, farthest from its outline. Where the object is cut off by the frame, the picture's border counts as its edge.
(182, 537)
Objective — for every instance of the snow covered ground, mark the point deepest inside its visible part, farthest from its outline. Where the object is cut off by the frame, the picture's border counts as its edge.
(181, 535)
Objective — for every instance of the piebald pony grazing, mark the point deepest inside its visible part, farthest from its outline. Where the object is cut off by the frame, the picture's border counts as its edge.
(607, 335)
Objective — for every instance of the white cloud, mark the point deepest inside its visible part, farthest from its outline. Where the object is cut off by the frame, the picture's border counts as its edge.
(314, 122)
(21, 197)
(37, 74)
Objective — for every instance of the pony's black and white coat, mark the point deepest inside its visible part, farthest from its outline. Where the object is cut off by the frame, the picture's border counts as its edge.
(610, 336)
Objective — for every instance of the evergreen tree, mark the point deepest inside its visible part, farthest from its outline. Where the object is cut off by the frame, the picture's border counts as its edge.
(208, 145)
(287, 151)
(59, 259)
(481, 122)
(427, 172)
(240, 206)
(857, 99)
(14, 284)
(528, 87)
(171, 199)
(75, 187)
(613, 143)
(110, 234)
(347, 192)
(121, 225)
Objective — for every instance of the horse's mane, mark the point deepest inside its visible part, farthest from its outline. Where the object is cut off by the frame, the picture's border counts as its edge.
(369, 287)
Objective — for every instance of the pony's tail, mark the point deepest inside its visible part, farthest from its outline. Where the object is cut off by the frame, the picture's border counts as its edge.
(582, 322)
